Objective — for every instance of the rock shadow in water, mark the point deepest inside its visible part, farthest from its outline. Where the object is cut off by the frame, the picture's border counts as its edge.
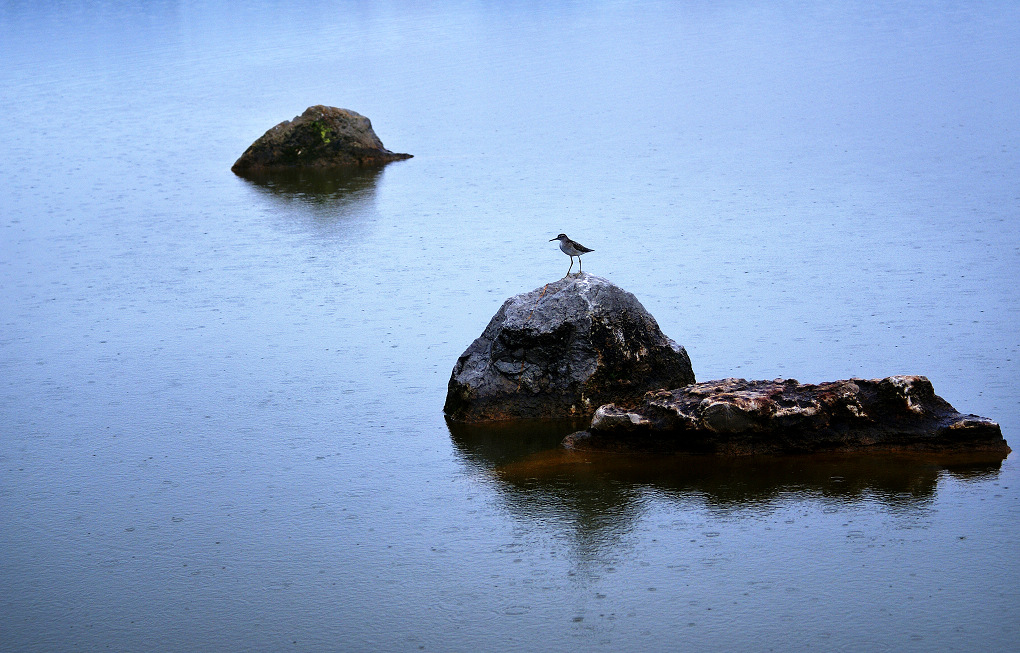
(317, 187)
(532, 470)
(328, 202)
(597, 510)
(748, 481)
(488, 446)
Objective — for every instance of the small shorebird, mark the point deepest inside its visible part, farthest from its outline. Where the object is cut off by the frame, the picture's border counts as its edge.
(571, 248)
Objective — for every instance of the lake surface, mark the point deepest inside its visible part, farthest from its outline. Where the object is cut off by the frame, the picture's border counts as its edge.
(221, 401)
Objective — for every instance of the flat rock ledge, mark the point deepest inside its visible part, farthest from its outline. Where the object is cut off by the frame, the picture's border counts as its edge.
(321, 137)
(739, 417)
(561, 351)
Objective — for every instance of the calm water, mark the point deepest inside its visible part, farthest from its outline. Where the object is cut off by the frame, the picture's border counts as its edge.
(220, 401)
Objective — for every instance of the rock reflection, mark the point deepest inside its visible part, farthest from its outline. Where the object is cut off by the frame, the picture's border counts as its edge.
(492, 445)
(606, 492)
(325, 191)
(755, 480)
(596, 508)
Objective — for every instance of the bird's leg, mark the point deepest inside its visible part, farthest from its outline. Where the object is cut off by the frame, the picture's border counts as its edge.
(571, 267)
(579, 265)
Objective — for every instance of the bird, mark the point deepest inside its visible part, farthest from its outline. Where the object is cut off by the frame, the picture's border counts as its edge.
(571, 248)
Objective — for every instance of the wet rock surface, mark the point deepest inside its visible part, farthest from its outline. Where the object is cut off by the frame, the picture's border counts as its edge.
(740, 417)
(561, 351)
(321, 137)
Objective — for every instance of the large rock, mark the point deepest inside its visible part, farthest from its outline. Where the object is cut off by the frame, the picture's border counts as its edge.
(561, 351)
(321, 137)
(737, 417)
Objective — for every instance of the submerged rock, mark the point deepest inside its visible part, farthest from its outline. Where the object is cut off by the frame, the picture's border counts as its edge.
(738, 417)
(561, 351)
(321, 137)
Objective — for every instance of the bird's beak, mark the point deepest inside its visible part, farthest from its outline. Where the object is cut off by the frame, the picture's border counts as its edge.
(552, 239)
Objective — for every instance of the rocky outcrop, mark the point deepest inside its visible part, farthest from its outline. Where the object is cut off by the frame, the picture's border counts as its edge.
(321, 137)
(738, 417)
(561, 351)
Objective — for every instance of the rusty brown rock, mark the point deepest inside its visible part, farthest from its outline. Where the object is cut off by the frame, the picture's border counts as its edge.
(739, 417)
(321, 137)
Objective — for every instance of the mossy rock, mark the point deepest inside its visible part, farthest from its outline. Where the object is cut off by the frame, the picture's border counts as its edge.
(321, 137)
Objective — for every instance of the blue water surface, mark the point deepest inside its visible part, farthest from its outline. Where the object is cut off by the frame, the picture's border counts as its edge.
(221, 401)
